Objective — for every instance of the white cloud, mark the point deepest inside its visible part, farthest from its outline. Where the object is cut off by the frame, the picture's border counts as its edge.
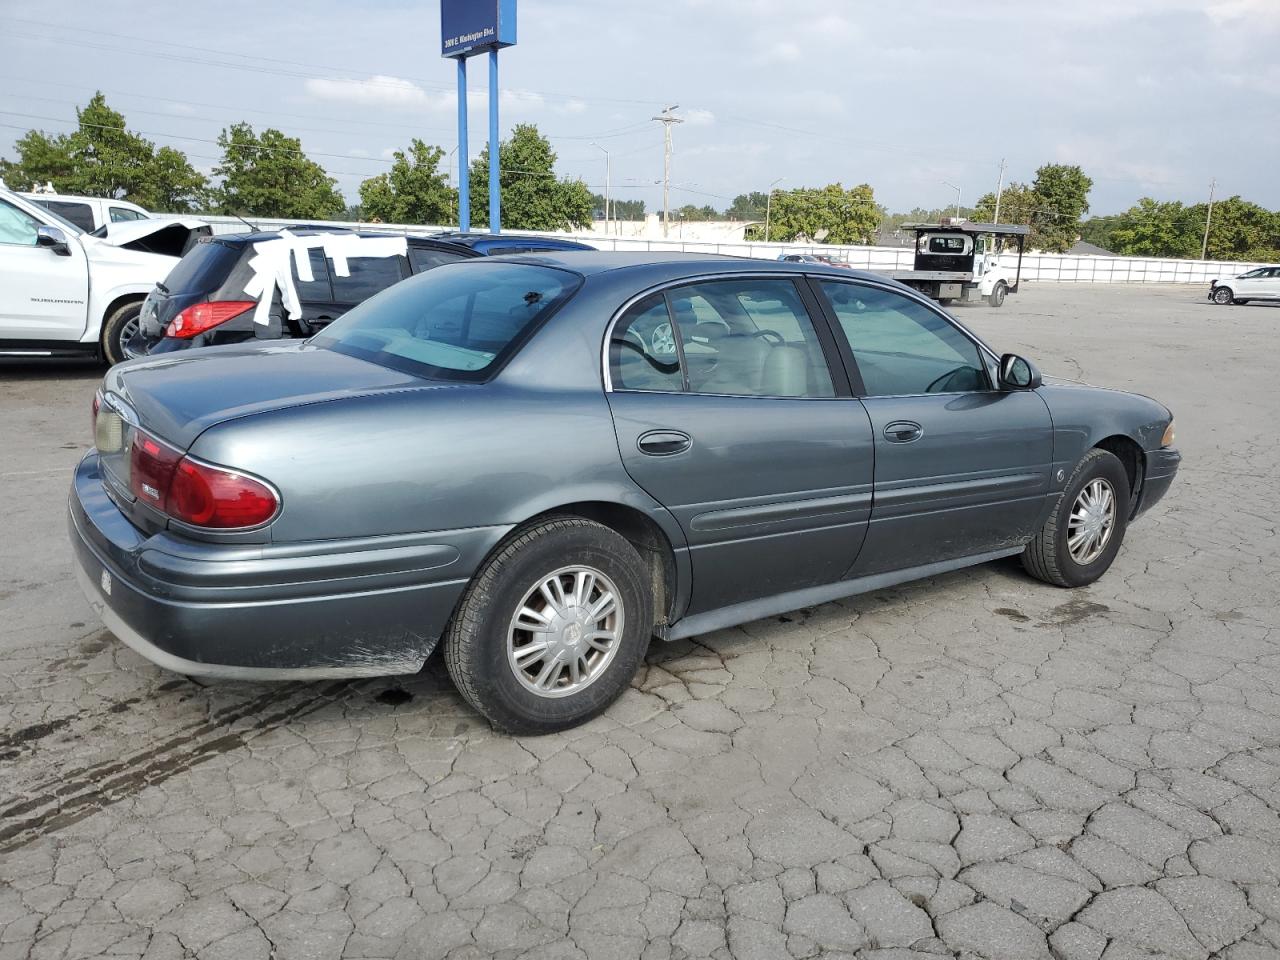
(699, 118)
(393, 93)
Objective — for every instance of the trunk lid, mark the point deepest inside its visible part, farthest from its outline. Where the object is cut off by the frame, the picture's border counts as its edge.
(176, 397)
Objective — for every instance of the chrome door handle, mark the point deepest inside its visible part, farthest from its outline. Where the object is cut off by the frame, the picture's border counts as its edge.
(664, 443)
(903, 431)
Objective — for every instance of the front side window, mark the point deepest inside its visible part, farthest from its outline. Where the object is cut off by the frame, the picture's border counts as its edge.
(457, 322)
(903, 348)
(745, 337)
(16, 226)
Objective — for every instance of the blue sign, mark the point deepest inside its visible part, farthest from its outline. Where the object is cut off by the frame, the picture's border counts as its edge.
(472, 26)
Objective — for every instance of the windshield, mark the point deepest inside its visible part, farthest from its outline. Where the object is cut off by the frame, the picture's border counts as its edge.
(456, 322)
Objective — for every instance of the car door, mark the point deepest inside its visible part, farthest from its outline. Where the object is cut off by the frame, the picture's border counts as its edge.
(961, 468)
(732, 409)
(43, 292)
(1269, 284)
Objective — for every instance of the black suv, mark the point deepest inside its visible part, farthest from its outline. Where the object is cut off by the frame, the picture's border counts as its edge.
(203, 301)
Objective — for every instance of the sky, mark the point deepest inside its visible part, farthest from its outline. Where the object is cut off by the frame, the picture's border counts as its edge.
(1151, 97)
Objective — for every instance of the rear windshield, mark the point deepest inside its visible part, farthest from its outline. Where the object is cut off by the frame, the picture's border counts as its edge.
(458, 322)
(203, 268)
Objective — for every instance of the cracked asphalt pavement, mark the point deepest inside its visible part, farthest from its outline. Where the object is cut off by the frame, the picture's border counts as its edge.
(973, 765)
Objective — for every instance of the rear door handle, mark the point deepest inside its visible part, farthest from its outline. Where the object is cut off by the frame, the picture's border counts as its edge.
(664, 443)
(903, 431)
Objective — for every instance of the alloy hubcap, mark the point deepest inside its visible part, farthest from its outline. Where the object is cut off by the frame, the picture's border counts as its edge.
(565, 632)
(127, 331)
(1093, 518)
(663, 340)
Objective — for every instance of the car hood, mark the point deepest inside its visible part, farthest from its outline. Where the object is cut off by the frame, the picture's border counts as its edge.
(179, 396)
(124, 233)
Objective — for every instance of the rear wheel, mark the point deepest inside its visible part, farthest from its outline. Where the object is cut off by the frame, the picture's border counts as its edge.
(996, 297)
(1082, 536)
(552, 628)
(118, 329)
(1223, 295)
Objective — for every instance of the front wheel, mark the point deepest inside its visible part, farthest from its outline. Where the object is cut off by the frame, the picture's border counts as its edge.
(1223, 295)
(118, 329)
(1082, 536)
(552, 628)
(996, 297)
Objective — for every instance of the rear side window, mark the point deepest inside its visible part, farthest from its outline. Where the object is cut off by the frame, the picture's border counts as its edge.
(424, 258)
(453, 323)
(642, 352)
(368, 275)
(125, 215)
(317, 288)
(81, 214)
(204, 268)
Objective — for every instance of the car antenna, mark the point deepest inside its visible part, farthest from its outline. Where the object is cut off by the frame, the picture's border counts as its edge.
(252, 226)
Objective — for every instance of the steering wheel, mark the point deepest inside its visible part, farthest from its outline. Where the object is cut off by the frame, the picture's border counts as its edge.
(944, 381)
(771, 335)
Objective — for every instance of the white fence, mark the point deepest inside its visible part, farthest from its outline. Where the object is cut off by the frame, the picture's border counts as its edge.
(1060, 268)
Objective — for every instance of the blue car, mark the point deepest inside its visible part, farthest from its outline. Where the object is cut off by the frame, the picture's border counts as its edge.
(542, 461)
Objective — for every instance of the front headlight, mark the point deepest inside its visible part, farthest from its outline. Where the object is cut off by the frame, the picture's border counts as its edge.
(1167, 439)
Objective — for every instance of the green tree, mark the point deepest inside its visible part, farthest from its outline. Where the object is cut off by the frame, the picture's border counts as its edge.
(748, 206)
(618, 209)
(1052, 206)
(1152, 229)
(103, 158)
(1239, 230)
(414, 190)
(692, 212)
(532, 197)
(1064, 198)
(846, 216)
(270, 176)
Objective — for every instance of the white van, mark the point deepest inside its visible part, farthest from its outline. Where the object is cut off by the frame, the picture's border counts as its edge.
(88, 213)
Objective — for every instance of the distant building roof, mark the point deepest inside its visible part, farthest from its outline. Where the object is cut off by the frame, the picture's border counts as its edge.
(1082, 248)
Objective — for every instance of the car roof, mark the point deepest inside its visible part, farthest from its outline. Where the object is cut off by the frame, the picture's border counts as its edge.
(491, 239)
(314, 231)
(674, 265)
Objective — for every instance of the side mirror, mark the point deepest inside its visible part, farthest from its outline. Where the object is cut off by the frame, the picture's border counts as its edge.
(1017, 373)
(54, 239)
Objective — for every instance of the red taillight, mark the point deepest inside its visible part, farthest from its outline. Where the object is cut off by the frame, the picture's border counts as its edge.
(205, 496)
(194, 492)
(199, 317)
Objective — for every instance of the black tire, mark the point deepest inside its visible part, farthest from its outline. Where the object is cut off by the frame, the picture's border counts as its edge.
(113, 331)
(475, 643)
(996, 297)
(1048, 558)
(1223, 295)
(946, 301)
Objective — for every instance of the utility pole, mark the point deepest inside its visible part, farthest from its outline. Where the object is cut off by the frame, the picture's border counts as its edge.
(957, 190)
(768, 207)
(1208, 218)
(667, 119)
(608, 173)
(999, 190)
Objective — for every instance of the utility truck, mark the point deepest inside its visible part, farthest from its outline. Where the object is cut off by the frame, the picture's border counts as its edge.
(961, 260)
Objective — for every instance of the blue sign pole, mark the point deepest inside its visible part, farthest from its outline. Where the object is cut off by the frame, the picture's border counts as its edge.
(464, 165)
(495, 187)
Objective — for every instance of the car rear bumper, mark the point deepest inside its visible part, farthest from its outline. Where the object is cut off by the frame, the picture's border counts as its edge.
(370, 607)
(1162, 467)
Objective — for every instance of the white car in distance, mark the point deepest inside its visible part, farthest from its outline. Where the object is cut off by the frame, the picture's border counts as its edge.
(1261, 283)
(66, 293)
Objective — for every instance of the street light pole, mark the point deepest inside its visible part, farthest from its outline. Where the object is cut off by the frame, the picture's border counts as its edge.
(999, 190)
(768, 207)
(667, 119)
(608, 174)
(957, 190)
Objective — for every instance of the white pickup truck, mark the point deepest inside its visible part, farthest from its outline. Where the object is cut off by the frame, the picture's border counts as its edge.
(960, 260)
(67, 293)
